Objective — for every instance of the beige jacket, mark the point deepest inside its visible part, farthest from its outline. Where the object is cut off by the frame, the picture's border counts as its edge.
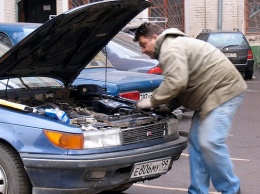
(197, 73)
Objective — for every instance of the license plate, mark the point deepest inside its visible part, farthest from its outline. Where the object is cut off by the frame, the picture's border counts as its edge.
(148, 168)
(231, 54)
(145, 95)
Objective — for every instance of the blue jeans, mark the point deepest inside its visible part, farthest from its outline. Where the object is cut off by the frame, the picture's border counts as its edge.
(209, 155)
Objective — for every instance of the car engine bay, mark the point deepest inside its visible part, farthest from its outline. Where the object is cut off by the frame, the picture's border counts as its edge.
(86, 106)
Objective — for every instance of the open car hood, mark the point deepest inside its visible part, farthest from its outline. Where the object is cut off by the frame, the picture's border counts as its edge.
(62, 47)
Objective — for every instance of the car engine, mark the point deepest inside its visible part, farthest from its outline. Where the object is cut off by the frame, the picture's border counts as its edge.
(86, 106)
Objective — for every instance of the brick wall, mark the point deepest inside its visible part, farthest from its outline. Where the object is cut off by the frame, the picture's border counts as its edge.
(59, 7)
(9, 10)
(203, 14)
(233, 15)
(199, 15)
(2, 14)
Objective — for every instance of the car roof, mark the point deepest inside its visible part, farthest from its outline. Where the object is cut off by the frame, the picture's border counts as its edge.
(17, 31)
(61, 47)
(220, 31)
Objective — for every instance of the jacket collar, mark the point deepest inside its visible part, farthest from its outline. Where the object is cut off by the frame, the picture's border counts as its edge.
(168, 32)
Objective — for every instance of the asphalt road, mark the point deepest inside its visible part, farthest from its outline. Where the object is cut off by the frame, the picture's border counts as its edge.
(243, 142)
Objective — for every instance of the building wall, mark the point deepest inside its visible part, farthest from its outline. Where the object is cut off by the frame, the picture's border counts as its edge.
(199, 15)
(59, 7)
(203, 14)
(62, 6)
(9, 10)
(233, 15)
(2, 14)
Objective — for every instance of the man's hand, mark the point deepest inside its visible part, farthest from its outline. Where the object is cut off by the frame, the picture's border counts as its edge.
(144, 104)
(162, 110)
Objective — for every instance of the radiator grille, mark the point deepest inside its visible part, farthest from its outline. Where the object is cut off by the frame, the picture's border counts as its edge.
(144, 133)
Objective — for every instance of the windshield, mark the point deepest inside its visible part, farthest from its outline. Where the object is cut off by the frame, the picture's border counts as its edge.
(227, 39)
(125, 43)
(28, 82)
(99, 61)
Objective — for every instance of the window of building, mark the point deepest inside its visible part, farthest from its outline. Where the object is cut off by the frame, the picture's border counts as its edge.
(252, 16)
(173, 10)
(76, 3)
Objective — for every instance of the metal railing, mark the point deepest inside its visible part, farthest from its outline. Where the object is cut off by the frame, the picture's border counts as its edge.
(137, 21)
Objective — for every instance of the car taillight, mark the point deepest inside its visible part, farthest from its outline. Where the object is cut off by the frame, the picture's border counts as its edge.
(155, 70)
(133, 95)
(250, 54)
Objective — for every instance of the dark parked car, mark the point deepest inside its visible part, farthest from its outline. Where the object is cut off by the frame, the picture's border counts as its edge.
(235, 46)
(131, 85)
(59, 138)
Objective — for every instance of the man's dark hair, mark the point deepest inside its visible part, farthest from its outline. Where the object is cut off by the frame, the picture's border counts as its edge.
(147, 30)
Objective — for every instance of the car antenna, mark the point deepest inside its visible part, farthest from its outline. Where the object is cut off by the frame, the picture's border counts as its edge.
(105, 50)
(6, 86)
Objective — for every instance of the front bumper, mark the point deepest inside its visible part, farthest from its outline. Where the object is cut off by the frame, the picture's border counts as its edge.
(74, 173)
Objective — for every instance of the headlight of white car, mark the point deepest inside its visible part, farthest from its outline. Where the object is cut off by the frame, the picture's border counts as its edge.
(103, 138)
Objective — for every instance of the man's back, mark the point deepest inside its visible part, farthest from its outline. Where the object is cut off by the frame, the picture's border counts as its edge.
(206, 75)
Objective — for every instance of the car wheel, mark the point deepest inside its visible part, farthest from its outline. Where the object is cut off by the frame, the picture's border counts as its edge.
(13, 178)
(248, 74)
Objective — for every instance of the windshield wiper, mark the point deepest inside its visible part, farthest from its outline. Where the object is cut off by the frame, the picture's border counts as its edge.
(230, 46)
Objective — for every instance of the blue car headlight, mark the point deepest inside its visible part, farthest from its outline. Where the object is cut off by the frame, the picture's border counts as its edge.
(103, 138)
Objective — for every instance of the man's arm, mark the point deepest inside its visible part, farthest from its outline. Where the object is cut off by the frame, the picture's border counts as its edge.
(174, 63)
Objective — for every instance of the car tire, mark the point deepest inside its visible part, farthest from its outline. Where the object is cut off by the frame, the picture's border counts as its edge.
(248, 74)
(13, 178)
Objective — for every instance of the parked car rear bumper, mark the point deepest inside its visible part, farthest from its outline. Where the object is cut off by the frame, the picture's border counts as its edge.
(74, 173)
(249, 66)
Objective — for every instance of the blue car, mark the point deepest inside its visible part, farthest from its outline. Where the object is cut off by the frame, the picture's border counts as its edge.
(129, 85)
(60, 138)
(12, 33)
(121, 51)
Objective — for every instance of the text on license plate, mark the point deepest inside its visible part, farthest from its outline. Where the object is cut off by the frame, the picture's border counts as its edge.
(231, 54)
(145, 95)
(150, 167)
